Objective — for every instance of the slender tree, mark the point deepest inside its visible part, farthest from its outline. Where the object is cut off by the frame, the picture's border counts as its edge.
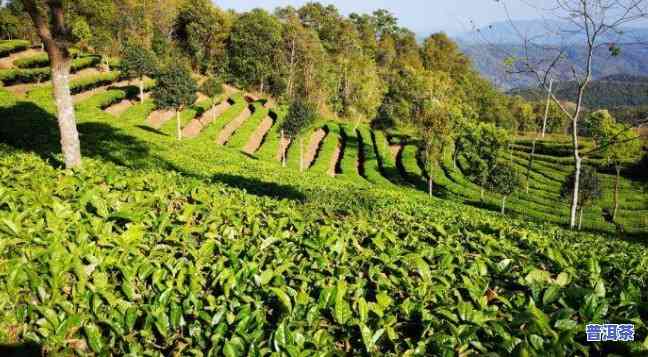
(590, 190)
(504, 180)
(595, 22)
(481, 145)
(301, 114)
(616, 143)
(212, 87)
(48, 17)
(139, 62)
(176, 90)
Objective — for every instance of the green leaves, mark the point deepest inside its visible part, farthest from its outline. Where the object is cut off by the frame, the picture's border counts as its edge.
(284, 299)
(342, 310)
(116, 260)
(93, 335)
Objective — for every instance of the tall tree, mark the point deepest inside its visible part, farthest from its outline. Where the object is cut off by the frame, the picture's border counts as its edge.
(596, 21)
(201, 31)
(480, 145)
(176, 90)
(138, 62)
(590, 190)
(433, 116)
(616, 143)
(48, 17)
(253, 47)
(212, 87)
(440, 53)
(504, 180)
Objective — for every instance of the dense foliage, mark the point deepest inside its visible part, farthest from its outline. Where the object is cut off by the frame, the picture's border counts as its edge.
(360, 67)
(157, 247)
(175, 89)
(301, 115)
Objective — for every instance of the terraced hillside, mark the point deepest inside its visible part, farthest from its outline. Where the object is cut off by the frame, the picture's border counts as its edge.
(160, 247)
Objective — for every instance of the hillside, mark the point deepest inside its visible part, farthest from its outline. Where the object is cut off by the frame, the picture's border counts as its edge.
(613, 91)
(209, 246)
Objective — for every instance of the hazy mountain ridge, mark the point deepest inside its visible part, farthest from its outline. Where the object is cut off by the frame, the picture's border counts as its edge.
(491, 46)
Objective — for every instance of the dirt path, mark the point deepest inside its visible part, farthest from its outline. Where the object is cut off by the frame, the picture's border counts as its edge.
(395, 150)
(159, 117)
(284, 143)
(201, 97)
(231, 127)
(229, 90)
(118, 108)
(257, 138)
(334, 160)
(313, 147)
(196, 125)
(7, 62)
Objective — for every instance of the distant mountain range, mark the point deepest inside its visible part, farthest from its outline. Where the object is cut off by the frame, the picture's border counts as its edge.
(490, 47)
(552, 32)
(608, 92)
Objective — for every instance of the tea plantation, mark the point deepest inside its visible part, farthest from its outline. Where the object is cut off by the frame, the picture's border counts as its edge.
(161, 247)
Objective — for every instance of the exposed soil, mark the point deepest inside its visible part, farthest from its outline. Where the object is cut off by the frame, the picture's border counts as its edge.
(397, 153)
(313, 147)
(232, 126)
(395, 150)
(201, 97)
(159, 117)
(212, 114)
(118, 108)
(7, 62)
(335, 160)
(284, 143)
(257, 138)
(196, 125)
(229, 90)
(192, 129)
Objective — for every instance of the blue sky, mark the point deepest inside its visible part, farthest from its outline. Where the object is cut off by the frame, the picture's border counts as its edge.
(421, 16)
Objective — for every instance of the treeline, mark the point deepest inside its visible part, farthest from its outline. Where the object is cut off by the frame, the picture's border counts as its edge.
(361, 66)
(625, 95)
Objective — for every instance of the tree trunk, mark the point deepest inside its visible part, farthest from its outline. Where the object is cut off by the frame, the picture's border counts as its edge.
(530, 167)
(576, 189)
(580, 218)
(283, 150)
(503, 205)
(141, 88)
(262, 82)
(52, 32)
(481, 193)
(579, 106)
(430, 184)
(70, 145)
(544, 121)
(292, 69)
(616, 192)
(178, 127)
(301, 155)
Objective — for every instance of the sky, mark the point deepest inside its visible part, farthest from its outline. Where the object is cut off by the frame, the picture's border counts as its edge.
(421, 16)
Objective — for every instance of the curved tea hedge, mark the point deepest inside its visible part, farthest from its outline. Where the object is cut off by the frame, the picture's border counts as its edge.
(8, 47)
(158, 247)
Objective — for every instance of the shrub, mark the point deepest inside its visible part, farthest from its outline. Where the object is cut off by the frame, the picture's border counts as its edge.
(301, 114)
(11, 46)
